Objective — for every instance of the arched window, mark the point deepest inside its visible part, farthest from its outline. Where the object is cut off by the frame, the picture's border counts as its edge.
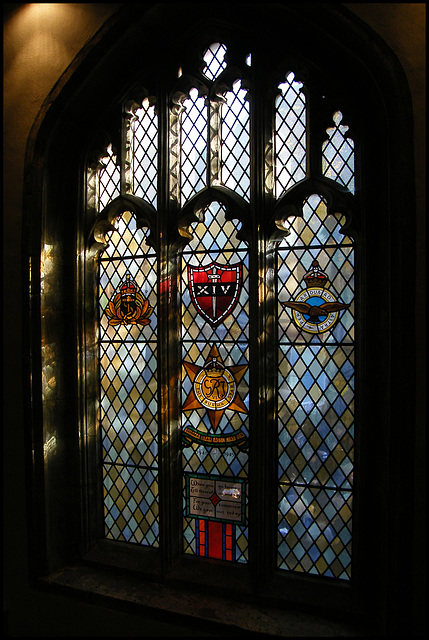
(210, 167)
(226, 368)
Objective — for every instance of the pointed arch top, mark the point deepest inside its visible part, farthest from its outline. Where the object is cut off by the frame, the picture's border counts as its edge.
(95, 86)
(145, 216)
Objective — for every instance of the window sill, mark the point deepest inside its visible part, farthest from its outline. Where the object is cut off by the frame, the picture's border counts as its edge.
(213, 614)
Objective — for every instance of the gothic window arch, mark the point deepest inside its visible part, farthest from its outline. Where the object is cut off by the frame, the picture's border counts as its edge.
(223, 348)
(210, 165)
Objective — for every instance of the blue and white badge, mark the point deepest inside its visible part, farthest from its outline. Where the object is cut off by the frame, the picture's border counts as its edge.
(316, 309)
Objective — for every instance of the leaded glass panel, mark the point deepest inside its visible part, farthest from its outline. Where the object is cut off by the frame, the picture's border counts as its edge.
(193, 146)
(108, 179)
(315, 292)
(128, 384)
(236, 141)
(338, 159)
(215, 387)
(142, 141)
(290, 135)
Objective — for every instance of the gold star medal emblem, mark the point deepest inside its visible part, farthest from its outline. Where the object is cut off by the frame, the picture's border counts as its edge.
(214, 387)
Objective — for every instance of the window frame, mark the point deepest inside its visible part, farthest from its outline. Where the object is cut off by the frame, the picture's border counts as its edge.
(77, 446)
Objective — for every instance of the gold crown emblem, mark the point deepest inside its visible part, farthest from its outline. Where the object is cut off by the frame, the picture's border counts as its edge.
(214, 368)
(315, 277)
(128, 306)
(128, 288)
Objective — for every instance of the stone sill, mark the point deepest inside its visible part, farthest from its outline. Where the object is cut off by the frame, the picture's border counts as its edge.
(187, 607)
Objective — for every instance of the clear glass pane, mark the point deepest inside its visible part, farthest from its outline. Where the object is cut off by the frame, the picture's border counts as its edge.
(290, 136)
(235, 149)
(144, 153)
(338, 160)
(109, 180)
(193, 149)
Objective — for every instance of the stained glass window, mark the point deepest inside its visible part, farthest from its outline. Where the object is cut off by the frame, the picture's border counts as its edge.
(215, 388)
(316, 393)
(204, 229)
(128, 384)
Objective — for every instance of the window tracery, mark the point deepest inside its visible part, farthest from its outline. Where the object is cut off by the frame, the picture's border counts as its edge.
(210, 164)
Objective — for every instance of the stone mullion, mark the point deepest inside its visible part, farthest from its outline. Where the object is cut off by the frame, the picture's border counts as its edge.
(316, 110)
(169, 118)
(263, 437)
(214, 145)
(92, 190)
(127, 172)
(269, 167)
(174, 151)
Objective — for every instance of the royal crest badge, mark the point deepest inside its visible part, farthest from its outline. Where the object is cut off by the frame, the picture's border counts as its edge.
(215, 290)
(214, 388)
(128, 305)
(315, 309)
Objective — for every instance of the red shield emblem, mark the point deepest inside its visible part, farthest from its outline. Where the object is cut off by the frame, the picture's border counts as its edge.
(215, 290)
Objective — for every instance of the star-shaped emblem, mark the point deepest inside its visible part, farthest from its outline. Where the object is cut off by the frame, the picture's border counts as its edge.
(214, 387)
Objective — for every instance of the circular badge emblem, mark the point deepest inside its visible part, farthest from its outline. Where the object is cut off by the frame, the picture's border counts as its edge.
(315, 310)
(215, 389)
(318, 320)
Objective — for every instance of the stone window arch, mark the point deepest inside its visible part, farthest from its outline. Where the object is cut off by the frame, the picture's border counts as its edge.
(65, 412)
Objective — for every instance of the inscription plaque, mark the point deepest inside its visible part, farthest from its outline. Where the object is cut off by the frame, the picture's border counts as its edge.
(201, 487)
(215, 498)
(202, 508)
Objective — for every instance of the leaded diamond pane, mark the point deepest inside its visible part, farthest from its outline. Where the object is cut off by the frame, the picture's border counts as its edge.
(315, 531)
(316, 415)
(215, 435)
(131, 504)
(315, 393)
(128, 386)
(214, 232)
(214, 59)
(193, 149)
(144, 145)
(109, 179)
(338, 161)
(290, 135)
(235, 148)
